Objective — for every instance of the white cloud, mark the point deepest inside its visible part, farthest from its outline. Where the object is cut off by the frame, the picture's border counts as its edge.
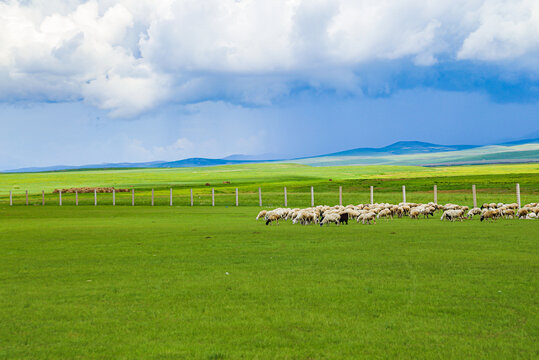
(506, 30)
(129, 56)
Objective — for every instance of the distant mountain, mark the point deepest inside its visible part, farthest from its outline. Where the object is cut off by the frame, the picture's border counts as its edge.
(254, 157)
(399, 153)
(191, 162)
(424, 154)
(521, 142)
(195, 162)
(88, 167)
(402, 147)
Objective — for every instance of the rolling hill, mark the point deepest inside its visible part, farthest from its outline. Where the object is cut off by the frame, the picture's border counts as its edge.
(491, 154)
(400, 153)
(402, 147)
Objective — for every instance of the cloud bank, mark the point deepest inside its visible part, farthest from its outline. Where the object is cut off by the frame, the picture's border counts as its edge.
(131, 56)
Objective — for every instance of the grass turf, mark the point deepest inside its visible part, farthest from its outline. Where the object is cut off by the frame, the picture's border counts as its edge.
(143, 282)
(494, 183)
(250, 177)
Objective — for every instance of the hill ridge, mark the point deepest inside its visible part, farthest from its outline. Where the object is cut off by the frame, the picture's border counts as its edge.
(403, 147)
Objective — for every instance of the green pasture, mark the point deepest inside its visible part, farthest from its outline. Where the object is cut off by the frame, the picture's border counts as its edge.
(208, 282)
(494, 183)
(213, 283)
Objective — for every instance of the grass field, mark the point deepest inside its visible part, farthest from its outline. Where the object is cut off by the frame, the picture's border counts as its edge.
(152, 282)
(494, 183)
(208, 282)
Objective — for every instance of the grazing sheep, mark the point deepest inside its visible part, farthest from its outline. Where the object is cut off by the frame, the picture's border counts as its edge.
(271, 217)
(472, 212)
(451, 207)
(261, 214)
(367, 217)
(384, 213)
(489, 214)
(305, 217)
(343, 218)
(330, 218)
(405, 210)
(452, 215)
(368, 213)
(414, 213)
(352, 213)
(429, 210)
(508, 213)
(521, 213)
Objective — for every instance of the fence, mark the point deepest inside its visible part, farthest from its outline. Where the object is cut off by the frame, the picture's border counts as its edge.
(238, 198)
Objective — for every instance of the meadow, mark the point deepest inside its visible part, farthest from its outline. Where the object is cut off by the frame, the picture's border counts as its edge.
(212, 283)
(494, 183)
(208, 282)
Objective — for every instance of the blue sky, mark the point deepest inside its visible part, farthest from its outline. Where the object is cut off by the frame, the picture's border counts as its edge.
(126, 81)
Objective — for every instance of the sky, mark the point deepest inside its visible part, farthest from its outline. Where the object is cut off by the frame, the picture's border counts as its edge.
(100, 81)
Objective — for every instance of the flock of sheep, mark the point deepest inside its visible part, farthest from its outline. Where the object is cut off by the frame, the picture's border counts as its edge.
(368, 213)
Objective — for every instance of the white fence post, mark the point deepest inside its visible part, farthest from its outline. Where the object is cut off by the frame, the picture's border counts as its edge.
(237, 198)
(152, 197)
(403, 194)
(10, 198)
(60, 197)
(43, 197)
(113, 197)
(340, 195)
(518, 195)
(436, 194)
(95, 197)
(191, 197)
(76, 198)
(212, 197)
(132, 196)
(474, 196)
(372, 194)
(26, 197)
(285, 198)
(259, 196)
(170, 196)
(312, 196)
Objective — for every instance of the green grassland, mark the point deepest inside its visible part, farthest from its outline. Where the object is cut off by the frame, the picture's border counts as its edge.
(208, 282)
(494, 183)
(151, 282)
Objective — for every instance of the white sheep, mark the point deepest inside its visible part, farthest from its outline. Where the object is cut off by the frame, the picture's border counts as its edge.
(331, 217)
(305, 217)
(261, 214)
(452, 215)
(272, 216)
(490, 214)
(384, 213)
(367, 217)
(472, 212)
